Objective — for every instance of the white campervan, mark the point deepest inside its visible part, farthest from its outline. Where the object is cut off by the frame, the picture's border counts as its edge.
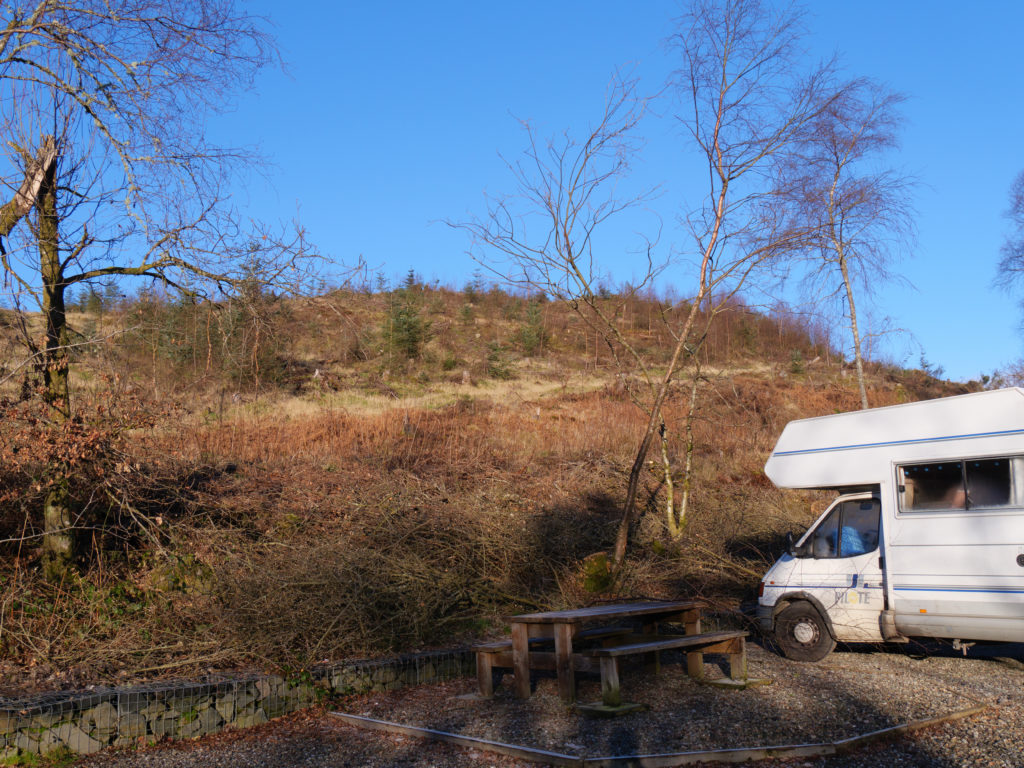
(927, 538)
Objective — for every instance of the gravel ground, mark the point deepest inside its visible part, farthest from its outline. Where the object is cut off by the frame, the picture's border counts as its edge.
(853, 691)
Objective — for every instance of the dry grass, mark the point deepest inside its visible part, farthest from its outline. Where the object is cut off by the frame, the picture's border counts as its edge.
(533, 382)
(381, 507)
(276, 538)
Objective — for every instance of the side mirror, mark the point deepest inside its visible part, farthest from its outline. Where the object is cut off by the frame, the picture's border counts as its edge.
(790, 546)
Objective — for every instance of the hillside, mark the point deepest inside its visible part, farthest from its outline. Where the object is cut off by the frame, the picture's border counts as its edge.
(273, 483)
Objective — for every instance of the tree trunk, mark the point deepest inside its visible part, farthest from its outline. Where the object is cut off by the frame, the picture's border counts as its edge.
(654, 417)
(58, 541)
(653, 422)
(670, 485)
(684, 502)
(857, 356)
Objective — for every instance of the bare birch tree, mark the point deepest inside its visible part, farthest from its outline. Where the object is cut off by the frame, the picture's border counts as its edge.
(1011, 265)
(744, 100)
(857, 211)
(104, 109)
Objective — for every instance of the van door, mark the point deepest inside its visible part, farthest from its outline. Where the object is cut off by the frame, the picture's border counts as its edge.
(841, 568)
(957, 549)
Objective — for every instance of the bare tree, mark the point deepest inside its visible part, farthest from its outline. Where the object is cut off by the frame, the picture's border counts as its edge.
(104, 107)
(545, 233)
(544, 236)
(1011, 265)
(743, 102)
(745, 98)
(859, 216)
(1010, 274)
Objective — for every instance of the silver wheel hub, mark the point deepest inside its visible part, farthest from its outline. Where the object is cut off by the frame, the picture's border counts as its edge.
(804, 632)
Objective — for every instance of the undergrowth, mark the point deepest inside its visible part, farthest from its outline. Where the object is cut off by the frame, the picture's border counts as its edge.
(238, 530)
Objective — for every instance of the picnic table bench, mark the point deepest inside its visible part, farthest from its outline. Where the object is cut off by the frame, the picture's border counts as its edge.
(727, 642)
(498, 654)
(545, 641)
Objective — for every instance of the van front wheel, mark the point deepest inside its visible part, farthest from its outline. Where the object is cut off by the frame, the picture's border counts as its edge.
(801, 633)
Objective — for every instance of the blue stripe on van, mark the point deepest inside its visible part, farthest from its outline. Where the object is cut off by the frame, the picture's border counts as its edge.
(996, 591)
(900, 442)
(861, 588)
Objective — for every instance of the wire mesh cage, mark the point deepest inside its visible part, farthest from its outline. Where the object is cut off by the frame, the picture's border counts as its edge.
(87, 721)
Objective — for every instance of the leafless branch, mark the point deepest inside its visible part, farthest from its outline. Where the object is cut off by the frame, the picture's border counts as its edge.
(858, 219)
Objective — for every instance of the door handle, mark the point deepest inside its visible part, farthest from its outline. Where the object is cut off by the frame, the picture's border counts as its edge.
(1020, 560)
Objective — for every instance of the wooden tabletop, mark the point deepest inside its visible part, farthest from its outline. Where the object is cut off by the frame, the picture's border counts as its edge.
(607, 611)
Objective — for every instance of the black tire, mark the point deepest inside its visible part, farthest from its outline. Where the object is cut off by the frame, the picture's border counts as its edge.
(801, 633)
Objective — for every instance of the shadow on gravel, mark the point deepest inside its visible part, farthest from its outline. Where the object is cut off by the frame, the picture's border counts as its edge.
(808, 703)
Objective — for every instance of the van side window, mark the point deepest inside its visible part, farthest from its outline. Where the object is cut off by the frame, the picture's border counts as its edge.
(988, 482)
(850, 530)
(956, 485)
(933, 486)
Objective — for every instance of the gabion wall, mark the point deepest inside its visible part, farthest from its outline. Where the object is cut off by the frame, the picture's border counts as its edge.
(88, 721)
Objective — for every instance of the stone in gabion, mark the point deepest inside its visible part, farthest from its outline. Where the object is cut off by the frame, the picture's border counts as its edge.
(77, 740)
(209, 722)
(27, 741)
(269, 686)
(245, 697)
(131, 726)
(275, 706)
(187, 730)
(247, 721)
(45, 719)
(153, 710)
(48, 742)
(164, 725)
(101, 720)
(225, 706)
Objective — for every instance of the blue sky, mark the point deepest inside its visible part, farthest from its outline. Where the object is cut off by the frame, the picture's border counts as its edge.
(390, 117)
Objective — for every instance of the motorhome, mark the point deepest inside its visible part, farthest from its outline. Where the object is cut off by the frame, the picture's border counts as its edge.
(926, 538)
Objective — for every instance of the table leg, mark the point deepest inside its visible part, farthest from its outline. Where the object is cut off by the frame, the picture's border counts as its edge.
(611, 695)
(521, 659)
(563, 662)
(694, 659)
(691, 620)
(485, 674)
(738, 660)
(695, 665)
(652, 660)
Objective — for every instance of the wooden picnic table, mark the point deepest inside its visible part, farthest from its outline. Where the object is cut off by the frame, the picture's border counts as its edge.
(563, 627)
